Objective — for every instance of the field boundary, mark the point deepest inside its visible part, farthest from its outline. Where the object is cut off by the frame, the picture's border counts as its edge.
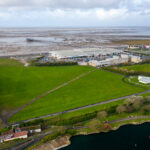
(5, 118)
(80, 108)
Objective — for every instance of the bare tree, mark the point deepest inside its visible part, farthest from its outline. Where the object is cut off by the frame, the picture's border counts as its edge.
(101, 114)
(1, 124)
(121, 109)
(137, 104)
(148, 99)
(130, 100)
(134, 99)
(95, 124)
(139, 100)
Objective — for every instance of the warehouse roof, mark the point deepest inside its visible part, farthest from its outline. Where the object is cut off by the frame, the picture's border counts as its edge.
(84, 52)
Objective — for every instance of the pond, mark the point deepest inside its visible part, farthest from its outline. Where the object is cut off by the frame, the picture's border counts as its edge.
(128, 137)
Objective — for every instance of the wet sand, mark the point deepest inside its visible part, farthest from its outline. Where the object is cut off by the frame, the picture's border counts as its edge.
(13, 40)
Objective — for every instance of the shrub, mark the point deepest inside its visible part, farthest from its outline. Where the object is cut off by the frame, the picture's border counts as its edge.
(121, 109)
(73, 120)
(35, 122)
(148, 99)
(101, 114)
(71, 132)
(112, 110)
(59, 63)
(95, 124)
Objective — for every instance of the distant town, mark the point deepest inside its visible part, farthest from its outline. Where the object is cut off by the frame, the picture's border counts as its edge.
(95, 57)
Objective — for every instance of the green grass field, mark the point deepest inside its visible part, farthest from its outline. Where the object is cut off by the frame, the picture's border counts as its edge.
(142, 67)
(19, 84)
(95, 87)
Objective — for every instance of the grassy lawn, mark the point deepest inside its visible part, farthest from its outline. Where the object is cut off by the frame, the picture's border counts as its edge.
(92, 109)
(142, 67)
(19, 84)
(95, 87)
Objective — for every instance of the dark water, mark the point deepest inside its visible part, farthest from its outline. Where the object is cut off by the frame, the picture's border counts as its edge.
(129, 137)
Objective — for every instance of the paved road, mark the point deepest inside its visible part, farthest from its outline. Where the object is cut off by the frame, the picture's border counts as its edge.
(80, 108)
(5, 118)
(128, 119)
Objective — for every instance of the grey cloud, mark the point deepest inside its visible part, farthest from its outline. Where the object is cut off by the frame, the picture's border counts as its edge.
(130, 5)
(79, 4)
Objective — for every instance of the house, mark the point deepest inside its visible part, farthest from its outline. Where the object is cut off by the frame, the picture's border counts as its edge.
(146, 46)
(18, 135)
(33, 129)
(6, 135)
(12, 135)
(133, 47)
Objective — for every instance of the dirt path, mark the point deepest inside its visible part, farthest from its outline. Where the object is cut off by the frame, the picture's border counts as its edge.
(80, 108)
(128, 119)
(75, 109)
(5, 118)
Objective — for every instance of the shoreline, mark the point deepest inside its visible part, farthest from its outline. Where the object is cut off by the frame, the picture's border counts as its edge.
(113, 129)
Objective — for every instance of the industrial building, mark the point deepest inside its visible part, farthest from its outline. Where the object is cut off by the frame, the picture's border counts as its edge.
(84, 53)
(110, 61)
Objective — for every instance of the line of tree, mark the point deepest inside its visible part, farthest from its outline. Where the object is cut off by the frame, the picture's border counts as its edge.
(118, 69)
(126, 71)
(132, 104)
(59, 63)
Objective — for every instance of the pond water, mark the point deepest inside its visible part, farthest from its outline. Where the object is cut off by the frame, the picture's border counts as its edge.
(129, 137)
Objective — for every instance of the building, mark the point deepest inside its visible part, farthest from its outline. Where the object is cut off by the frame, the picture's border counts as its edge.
(133, 47)
(110, 61)
(12, 135)
(6, 135)
(135, 59)
(33, 129)
(82, 63)
(146, 46)
(84, 53)
(143, 79)
(94, 63)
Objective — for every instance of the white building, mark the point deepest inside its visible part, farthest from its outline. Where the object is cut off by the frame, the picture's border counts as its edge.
(84, 52)
(82, 63)
(143, 79)
(147, 46)
(133, 47)
(136, 59)
(110, 61)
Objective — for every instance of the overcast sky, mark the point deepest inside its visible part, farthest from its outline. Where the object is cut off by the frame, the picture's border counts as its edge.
(76, 13)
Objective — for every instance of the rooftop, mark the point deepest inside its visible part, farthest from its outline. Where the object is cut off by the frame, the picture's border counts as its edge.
(84, 52)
